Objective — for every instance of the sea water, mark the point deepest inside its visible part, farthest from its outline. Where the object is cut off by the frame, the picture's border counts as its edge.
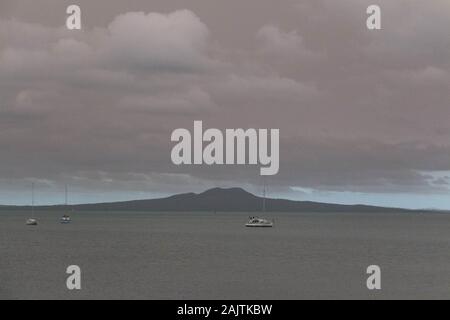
(213, 256)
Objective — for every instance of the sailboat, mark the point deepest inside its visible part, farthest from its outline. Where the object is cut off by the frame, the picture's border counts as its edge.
(66, 218)
(32, 221)
(255, 222)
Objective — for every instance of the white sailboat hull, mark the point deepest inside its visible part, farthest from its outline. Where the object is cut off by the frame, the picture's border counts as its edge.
(65, 220)
(255, 222)
(251, 225)
(31, 222)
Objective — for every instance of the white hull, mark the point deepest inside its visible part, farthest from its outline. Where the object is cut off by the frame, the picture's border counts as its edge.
(31, 222)
(65, 220)
(250, 225)
(255, 222)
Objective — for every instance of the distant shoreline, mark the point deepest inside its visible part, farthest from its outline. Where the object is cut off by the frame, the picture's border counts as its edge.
(235, 200)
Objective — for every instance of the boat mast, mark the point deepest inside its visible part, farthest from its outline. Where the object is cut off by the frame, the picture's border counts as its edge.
(66, 196)
(32, 200)
(264, 197)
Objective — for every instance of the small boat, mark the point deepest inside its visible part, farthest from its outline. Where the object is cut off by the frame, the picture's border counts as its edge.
(255, 222)
(66, 218)
(32, 221)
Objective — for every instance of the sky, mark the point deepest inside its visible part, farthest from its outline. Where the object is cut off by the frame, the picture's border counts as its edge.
(363, 114)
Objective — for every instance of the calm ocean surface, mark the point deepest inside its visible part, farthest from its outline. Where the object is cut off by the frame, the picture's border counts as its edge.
(207, 256)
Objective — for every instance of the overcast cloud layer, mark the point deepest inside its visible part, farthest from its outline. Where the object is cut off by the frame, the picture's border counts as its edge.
(358, 111)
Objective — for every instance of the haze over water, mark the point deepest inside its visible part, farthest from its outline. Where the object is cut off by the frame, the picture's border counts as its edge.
(207, 256)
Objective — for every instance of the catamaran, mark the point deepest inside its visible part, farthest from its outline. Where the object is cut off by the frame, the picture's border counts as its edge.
(66, 218)
(255, 222)
(32, 221)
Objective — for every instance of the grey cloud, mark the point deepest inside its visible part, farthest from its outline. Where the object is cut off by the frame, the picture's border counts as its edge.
(173, 42)
(275, 40)
(358, 111)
